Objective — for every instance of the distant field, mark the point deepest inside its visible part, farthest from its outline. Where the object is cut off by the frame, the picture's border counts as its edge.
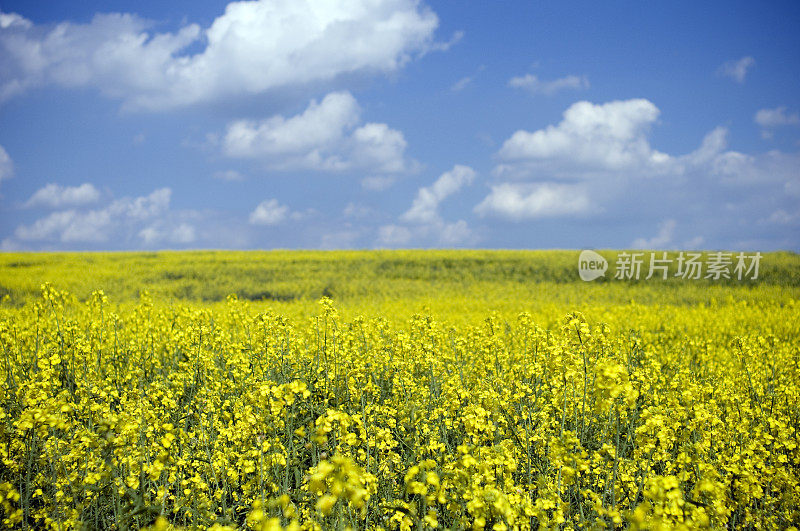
(356, 277)
(394, 390)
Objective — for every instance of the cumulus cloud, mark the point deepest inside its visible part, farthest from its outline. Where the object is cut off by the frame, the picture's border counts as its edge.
(597, 163)
(158, 234)
(534, 85)
(394, 235)
(96, 225)
(769, 119)
(520, 201)
(57, 196)
(776, 117)
(666, 231)
(609, 136)
(6, 165)
(67, 226)
(712, 145)
(325, 137)
(254, 46)
(143, 207)
(321, 124)
(424, 209)
(438, 233)
(422, 222)
(737, 69)
(269, 212)
(713, 159)
(380, 148)
(733, 168)
(456, 233)
(10, 20)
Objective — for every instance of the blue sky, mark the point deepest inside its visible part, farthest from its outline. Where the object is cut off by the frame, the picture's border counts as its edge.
(394, 123)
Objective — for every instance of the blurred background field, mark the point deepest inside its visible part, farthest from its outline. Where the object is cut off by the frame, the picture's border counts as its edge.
(394, 284)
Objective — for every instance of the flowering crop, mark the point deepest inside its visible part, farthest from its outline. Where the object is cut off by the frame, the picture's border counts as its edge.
(231, 416)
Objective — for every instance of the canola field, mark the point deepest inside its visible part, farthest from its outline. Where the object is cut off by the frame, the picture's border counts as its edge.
(394, 390)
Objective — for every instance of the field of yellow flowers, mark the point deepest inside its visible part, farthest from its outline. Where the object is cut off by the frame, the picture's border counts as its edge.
(403, 391)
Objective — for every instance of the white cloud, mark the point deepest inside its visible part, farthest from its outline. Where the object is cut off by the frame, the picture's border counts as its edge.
(380, 148)
(666, 231)
(771, 118)
(6, 165)
(254, 46)
(535, 85)
(57, 196)
(60, 225)
(607, 145)
(324, 137)
(98, 225)
(598, 162)
(182, 234)
(437, 233)
(740, 169)
(10, 20)
(461, 84)
(597, 170)
(614, 143)
(394, 235)
(733, 168)
(424, 209)
(320, 125)
(269, 212)
(776, 117)
(455, 233)
(610, 136)
(737, 70)
(143, 207)
(422, 221)
(520, 201)
(150, 235)
(712, 145)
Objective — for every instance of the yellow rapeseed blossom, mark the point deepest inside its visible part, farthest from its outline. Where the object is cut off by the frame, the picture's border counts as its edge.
(301, 413)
